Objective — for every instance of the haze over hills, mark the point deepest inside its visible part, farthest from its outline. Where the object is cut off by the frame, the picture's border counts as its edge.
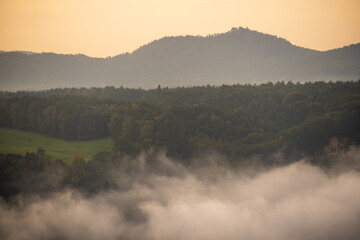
(238, 56)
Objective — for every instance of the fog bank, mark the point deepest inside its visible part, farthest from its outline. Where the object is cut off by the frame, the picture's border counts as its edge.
(297, 201)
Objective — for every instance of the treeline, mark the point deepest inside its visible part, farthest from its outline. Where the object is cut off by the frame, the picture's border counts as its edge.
(37, 173)
(238, 120)
(110, 92)
(70, 118)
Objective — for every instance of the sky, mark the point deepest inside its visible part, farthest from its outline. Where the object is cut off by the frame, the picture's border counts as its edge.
(101, 28)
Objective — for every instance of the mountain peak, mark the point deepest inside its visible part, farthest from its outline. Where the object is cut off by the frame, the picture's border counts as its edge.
(240, 55)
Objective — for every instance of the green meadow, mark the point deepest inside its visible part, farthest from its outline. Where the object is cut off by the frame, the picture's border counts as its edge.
(20, 142)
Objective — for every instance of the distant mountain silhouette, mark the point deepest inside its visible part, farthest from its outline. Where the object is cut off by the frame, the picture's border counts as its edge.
(238, 56)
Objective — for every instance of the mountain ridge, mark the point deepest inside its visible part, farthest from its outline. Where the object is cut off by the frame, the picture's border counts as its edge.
(237, 56)
(180, 36)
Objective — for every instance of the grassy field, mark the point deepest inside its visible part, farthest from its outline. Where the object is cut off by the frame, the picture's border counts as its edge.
(20, 142)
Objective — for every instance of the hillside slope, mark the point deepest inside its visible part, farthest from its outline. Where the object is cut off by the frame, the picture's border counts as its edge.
(237, 56)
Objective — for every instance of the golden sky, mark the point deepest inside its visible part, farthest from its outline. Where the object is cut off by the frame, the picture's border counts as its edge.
(103, 28)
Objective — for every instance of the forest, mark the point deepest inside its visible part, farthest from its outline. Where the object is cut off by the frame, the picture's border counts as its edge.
(236, 121)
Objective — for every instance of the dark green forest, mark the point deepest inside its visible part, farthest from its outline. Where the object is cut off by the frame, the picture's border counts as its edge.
(238, 121)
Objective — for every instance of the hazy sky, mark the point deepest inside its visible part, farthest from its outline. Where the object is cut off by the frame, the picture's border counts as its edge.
(109, 27)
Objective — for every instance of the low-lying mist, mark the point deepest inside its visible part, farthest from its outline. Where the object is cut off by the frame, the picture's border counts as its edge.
(164, 200)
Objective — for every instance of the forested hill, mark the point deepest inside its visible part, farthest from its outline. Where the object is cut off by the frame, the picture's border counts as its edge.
(238, 56)
(238, 120)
